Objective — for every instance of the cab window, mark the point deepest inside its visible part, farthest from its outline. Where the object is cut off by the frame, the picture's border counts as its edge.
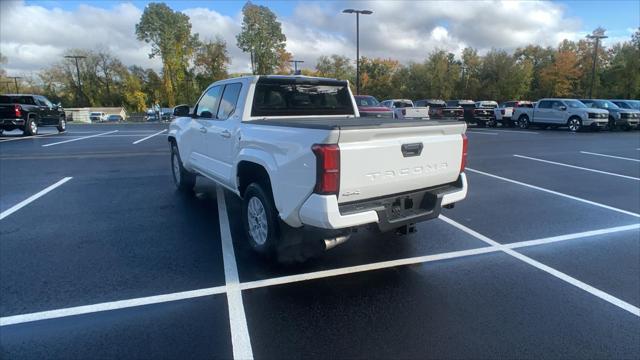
(208, 104)
(229, 100)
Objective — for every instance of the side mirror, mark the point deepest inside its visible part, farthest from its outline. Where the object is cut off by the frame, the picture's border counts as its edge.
(562, 108)
(206, 114)
(181, 110)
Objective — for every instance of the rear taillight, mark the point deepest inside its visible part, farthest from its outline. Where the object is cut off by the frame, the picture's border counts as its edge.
(18, 111)
(327, 169)
(463, 162)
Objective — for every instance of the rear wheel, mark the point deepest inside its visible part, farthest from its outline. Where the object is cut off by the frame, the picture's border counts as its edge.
(481, 123)
(612, 123)
(574, 124)
(184, 180)
(523, 122)
(259, 219)
(30, 127)
(62, 124)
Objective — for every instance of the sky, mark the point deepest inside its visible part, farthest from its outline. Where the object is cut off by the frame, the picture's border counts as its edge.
(36, 34)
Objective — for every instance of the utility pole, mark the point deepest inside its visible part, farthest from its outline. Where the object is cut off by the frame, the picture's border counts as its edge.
(15, 81)
(357, 12)
(596, 35)
(295, 66)
(79, 90)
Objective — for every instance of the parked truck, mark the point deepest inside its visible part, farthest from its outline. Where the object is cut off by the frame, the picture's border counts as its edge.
(28, 112)
(561, 112)
(303, 161)
(406, 109)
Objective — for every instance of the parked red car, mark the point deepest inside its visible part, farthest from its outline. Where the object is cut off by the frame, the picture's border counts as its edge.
(368, 106)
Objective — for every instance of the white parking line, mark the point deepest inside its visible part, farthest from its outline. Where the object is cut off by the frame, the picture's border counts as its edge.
(122, 304)
(560, 275)
(555, 193)
(578, 167)
(609, 156)
(240, 341)
(27, 137)
(112, 305)
(149, 137)
(80, 138)
(32, 198)
(481, 132)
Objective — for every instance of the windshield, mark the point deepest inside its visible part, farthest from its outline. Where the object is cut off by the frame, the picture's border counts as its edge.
(365, 101)
(605, 104)
(299, 97)
(575, 104)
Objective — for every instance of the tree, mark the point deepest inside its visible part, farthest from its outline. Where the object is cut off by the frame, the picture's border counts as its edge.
(335, 66)
(470, 81)
(560, 78)
(503, 77)
(283, 66)
(261, 37)
(169, 33)
(377, 75)
(622, 78)
(211, 62)
(537, 57)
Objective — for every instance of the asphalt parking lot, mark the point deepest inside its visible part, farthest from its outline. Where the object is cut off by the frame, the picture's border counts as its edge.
(101, 258)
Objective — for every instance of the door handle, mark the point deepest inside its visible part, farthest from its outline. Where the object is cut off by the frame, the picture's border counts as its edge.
(225, 134)
(203, 130)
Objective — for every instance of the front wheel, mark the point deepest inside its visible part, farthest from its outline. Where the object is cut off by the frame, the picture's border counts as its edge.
(492, 123)
(31, 127)
(62, 125)
(184, 180)
(574, 124)
(259, 219)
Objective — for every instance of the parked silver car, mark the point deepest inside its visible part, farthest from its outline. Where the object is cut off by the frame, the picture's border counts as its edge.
(626, 119)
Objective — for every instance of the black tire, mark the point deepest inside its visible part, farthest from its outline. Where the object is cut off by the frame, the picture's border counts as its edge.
(481, 123)
(574, 124)
(184, 180)
(492, 123)
(30, 127)
(262, 230)
(62, 124)
(627, 127)
(523, 122)
(612, 123)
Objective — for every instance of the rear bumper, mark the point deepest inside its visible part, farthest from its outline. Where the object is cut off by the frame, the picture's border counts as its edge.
(323, 211)
(12, 122)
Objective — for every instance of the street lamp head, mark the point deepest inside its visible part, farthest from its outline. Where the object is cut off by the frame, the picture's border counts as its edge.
(348, 11)
(366, 12)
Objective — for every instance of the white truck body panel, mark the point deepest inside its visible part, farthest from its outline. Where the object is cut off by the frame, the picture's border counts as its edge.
(372, 163)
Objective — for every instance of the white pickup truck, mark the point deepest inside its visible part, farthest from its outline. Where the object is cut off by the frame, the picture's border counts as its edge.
(303, 161)
(561, 112)
(406, 109)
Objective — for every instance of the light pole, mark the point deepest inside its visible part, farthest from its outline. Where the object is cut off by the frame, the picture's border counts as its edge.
(76, 58)
(15, 82)
(295, 66)
(596, 35)
(357, 12)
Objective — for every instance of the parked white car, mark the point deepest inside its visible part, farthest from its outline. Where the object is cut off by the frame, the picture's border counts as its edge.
(405, 109)
(295, 150)
(98, 116)
(561, 112)
(504, 112)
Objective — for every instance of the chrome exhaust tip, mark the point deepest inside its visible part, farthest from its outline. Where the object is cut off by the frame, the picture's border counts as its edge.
(333, 242)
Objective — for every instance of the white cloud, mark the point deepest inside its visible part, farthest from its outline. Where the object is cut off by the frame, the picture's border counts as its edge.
(34, 37)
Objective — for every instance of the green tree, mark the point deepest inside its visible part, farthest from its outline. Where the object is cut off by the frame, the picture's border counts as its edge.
(261, 37)
(537, 57)
(503, 77)
(335, 66)
(560, 78)
(169, 33)
(376, 75)
(211, 62)
(469, 84)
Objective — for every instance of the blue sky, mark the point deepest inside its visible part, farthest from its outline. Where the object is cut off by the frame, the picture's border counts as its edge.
(617, 15)
(31, 41)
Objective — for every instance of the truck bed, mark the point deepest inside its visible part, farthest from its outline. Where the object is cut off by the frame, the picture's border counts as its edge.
(331, 123)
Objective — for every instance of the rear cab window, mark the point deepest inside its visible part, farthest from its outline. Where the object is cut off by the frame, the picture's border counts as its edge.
(301, 97)
(23, 100)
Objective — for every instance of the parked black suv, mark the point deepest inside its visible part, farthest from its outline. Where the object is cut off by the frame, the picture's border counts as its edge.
(28, 112)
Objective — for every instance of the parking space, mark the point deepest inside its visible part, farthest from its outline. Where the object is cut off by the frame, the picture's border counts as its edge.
(540, 260)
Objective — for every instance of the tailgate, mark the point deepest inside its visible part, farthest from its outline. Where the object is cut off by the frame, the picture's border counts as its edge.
(7, 111)
(415, 112)
(384, 161)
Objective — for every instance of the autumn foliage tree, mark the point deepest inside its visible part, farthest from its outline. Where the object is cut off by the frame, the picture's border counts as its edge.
(561, 77)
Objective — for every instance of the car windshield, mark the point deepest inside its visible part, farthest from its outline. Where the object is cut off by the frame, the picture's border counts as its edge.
(365, 101)
(402, 104)
(575, 104)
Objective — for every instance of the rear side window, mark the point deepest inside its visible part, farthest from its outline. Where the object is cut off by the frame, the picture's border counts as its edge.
(300, 97)
(208, 105)
(544, 105)
(229, 100)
